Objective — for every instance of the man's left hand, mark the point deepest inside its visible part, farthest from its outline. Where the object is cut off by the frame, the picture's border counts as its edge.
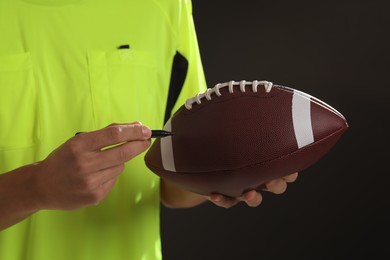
(254, 198)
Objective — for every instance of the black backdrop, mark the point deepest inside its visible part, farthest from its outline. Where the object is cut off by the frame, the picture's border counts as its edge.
(336, 51)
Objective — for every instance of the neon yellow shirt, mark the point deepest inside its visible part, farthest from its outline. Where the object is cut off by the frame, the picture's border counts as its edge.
(61, 72)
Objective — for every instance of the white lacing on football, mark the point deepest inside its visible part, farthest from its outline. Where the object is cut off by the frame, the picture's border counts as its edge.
(198, 98)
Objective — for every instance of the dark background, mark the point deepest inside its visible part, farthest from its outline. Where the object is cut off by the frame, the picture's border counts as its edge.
(338, 208)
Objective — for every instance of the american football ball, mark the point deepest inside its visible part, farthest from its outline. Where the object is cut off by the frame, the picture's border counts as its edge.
(240, 134)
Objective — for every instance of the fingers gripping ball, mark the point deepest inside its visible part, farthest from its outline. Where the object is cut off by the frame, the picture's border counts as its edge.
(238, 135)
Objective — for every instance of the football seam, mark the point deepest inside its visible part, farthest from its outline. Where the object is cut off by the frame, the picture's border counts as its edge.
(230, 85)
(200, 106)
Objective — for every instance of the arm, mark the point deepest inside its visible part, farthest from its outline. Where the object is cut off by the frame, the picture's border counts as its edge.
(77, 174)
(173, 196)
(17, 196)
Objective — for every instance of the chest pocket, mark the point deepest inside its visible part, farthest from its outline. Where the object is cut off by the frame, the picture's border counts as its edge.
(18, 102)
(125, 87)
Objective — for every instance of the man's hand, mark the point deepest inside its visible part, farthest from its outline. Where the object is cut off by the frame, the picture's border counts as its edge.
(253, 198)
(81, 172)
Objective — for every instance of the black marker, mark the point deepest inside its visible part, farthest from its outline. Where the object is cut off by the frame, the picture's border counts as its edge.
(155, 133)
(161, 133)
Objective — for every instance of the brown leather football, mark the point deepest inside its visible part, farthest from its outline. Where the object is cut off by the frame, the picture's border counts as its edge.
(238, 135)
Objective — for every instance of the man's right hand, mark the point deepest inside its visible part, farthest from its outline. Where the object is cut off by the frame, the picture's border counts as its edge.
(81, 173)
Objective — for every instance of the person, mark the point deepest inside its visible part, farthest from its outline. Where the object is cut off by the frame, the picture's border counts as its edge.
(100, 67)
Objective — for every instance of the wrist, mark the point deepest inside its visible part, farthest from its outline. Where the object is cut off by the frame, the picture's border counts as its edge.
(20, 191)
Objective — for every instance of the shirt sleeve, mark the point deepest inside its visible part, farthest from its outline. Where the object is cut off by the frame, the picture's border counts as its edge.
(187, 45)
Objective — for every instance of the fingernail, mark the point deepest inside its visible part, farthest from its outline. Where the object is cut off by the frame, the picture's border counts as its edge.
(216, 198)
(146, 131)
(250, 196)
